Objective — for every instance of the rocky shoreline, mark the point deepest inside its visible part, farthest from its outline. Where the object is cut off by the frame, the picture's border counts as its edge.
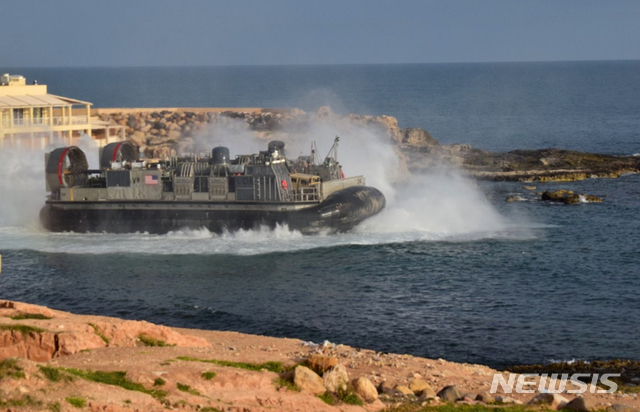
(57, 361)
(160, 132)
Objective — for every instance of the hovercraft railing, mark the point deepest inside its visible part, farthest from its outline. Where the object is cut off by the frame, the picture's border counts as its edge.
(306, 194)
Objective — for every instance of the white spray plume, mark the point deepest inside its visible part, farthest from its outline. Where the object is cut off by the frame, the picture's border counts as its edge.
(23, 183)
(90, 149)
(232, 133)
(442, 202)
(22, 186)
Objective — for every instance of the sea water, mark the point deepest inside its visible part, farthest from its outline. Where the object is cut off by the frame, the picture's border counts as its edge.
(447, 270)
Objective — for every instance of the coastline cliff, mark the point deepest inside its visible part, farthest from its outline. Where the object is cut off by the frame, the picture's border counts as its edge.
(57, 361)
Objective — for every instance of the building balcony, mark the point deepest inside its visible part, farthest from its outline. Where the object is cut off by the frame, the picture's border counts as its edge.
(46, 121)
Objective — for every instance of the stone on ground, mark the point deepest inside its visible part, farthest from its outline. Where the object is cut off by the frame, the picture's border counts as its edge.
(418, 385)
(580, 404)
(308, 381)
(553, 400)
(336, 379)
(449, 393)
(485, 397)
(365, 389)
(403, 390)
(620, 407)
(321, 363)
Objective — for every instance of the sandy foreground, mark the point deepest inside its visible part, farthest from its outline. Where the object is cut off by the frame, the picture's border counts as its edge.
(58, 361)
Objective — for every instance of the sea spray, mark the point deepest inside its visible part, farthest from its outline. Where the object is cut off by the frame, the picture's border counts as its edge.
(22, 186)
(442, 202)
(90, 149)
(232, 133)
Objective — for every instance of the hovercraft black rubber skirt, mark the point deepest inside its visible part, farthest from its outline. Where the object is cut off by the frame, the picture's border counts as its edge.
(340, 212)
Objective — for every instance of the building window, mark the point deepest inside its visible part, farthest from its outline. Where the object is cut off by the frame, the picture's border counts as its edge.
(18, 117)
(38, 115)
(6, 118)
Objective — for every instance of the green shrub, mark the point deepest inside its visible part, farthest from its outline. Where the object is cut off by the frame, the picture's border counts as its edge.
(329, 398)
(117, 378)
(24, 329)
(26, 400)
(77, 402)
(54, 407)
(9, 369)
(52, 374)
(281, 382)
(30, 316)
(149, 341)
(208, 375)
(186, 388)
(277, 367)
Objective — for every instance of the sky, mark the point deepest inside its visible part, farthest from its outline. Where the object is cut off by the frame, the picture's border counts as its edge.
(86, 33)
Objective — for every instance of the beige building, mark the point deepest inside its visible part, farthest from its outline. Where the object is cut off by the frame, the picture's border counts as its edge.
(32, 118)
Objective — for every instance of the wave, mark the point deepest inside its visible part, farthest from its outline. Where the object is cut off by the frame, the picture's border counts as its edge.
(244, 242)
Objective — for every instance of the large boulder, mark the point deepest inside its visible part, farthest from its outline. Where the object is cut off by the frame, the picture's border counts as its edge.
(365, 389)
(321, 363)
(308, 381)
(420, 386)
(386, 387)
(336, 379)
(450, 393)
(580, 404)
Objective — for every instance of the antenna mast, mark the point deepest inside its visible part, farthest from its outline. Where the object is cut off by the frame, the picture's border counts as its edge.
(334, 150)
(314, 153)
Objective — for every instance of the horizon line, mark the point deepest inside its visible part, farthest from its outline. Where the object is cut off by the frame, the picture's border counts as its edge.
(319, 64)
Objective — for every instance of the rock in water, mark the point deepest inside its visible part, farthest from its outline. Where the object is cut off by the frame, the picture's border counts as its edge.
(450, 393)
(573, 199)
(510, 199)
(580, 404)
(592, 198)
(336, 379)
(557, 196)
(568, 197)
(363, 387)
(308, 381)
